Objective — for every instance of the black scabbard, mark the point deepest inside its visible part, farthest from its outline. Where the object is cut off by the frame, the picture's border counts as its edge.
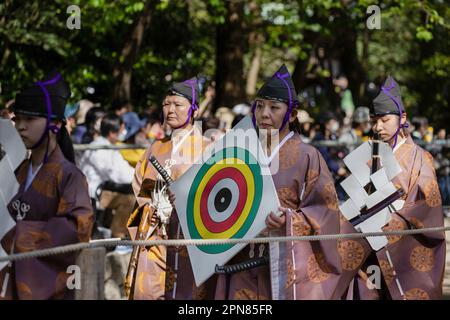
(242, 266)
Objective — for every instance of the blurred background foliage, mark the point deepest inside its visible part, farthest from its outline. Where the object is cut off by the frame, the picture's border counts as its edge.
(132, 49)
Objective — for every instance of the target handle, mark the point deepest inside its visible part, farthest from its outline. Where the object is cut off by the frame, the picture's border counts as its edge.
(161, 170)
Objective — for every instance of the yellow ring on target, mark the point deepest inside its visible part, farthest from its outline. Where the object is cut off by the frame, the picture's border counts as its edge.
(205, 233)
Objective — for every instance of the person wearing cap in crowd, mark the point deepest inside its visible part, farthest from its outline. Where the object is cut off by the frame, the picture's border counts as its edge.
(360, 130)
(52, 207)
(416, 261)
(109, 175)
(134, 133)
(309, 205)
(69, 115)
(161, 272)
(306, 130)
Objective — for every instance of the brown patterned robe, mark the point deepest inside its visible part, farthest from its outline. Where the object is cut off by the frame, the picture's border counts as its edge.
(60, 213)
(301, 270)
(156, 276)
(418, 260)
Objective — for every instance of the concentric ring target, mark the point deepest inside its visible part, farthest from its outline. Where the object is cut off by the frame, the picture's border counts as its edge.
(224, 198)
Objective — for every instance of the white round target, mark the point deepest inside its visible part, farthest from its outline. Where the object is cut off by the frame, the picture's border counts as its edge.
(222, 200)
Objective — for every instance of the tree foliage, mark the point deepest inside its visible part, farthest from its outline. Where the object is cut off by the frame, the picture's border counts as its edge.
(318, 40)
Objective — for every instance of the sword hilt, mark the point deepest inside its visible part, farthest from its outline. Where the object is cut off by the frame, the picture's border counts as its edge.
(160, 170)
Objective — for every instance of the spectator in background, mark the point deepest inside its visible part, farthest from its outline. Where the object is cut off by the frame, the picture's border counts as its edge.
(109, 175)
(441, 134)
(120, 107)
(241, 109)
(329, 126)
(80, 120)
(69, 114)
(225, 116)
(93, 120)
(6, 113)
(347, 105)
(135, 133)
(360, 130)
(420, 125)
(154, 128)
(307, 131)
(328, 129)
(205, 107)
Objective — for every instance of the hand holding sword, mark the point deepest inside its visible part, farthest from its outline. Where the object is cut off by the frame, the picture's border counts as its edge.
(144, 231)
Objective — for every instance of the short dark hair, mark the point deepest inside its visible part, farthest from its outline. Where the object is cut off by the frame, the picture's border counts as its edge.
(110, 123)
(118, 104)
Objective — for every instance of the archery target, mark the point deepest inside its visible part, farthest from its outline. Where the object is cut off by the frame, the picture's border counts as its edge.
(224, 198)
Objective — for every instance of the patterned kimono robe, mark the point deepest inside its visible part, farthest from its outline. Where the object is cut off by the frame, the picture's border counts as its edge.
(163, 272)
(58, 212)
(300, 270)
(418, 260)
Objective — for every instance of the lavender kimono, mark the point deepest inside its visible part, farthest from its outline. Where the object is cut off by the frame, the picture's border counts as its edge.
(418, 261)
(301, 270)
(57, 212)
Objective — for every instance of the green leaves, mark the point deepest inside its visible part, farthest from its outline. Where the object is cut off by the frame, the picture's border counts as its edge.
(181, 40)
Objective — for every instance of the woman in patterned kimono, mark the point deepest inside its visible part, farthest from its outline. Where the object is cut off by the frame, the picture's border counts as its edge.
(309, 206)
(160, 272)
(412, 266)
(52, 207)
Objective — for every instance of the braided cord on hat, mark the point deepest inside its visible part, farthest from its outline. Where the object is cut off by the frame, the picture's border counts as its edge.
(289, 110)
(48, 102)
(387, 92)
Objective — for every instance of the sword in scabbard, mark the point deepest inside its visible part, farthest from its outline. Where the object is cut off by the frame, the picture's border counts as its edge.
(142, 234)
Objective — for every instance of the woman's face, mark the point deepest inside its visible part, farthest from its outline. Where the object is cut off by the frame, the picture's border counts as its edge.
(175, 110)
(30, 128)
(270, 114)
(386, 126)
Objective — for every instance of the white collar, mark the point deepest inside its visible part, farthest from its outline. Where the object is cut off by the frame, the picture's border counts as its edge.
(398, 145)
(278, 147)
(31, 175)
(180, 142)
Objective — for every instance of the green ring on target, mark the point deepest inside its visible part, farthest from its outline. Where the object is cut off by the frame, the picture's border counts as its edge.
(241, 154)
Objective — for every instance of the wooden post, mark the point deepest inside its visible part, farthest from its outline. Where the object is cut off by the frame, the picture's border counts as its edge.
(92, 266)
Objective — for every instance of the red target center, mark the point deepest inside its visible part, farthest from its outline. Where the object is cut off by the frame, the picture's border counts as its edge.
(239, 179)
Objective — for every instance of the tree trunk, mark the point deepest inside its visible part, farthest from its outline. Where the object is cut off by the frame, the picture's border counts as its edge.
(230, 44)
(252, 76)
(351, 65)
(130, 52)
(256, 40)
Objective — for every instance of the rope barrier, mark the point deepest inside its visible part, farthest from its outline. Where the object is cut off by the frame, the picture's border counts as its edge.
(323, 143)
(187, 242)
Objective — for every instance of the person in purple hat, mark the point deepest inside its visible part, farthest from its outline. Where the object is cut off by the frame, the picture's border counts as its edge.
(160, 272)
(309, 205)
(52, 207)
(412, 266)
